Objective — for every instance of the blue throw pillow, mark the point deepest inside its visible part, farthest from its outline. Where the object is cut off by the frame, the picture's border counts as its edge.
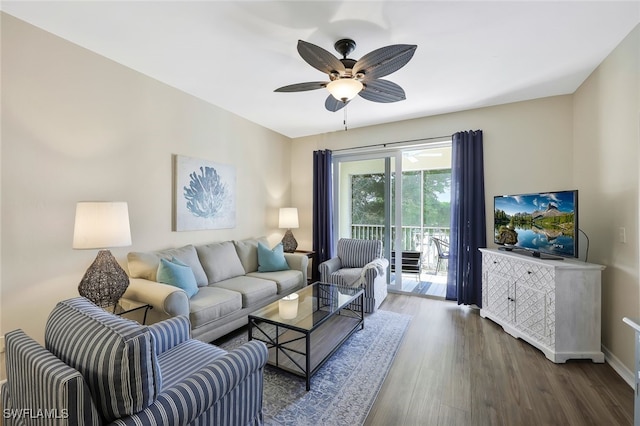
(176, 273)
(271, 260)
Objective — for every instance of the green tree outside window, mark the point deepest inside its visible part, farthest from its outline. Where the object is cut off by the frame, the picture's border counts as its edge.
(367, 195)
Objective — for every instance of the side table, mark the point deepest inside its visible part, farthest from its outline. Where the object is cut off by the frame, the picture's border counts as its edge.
(126, 306)
(311, 255)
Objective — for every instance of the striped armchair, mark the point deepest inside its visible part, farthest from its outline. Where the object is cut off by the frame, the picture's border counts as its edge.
(98, 368)
(359, 263)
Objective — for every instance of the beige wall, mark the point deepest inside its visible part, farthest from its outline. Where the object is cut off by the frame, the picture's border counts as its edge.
(607, 135)
(77, 126)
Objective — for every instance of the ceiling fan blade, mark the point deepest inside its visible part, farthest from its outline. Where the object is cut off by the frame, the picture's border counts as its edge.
(383, 91)
(319, 58)
(384, 61)
(302, 87)
(333, 105)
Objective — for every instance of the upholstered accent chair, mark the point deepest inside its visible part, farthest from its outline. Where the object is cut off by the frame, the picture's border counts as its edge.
(98, 368)
(359, 263)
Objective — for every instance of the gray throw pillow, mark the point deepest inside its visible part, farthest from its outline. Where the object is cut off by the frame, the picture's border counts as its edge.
(248, 252)
(145, 264)
(220, 261)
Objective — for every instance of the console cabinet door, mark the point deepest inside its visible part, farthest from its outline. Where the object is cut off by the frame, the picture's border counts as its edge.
(499, 296)
(530, 312)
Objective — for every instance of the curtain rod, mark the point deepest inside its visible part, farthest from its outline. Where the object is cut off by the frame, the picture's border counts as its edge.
(385, 145)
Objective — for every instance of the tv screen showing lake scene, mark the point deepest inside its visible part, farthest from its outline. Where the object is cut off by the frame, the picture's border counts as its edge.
(545, 222)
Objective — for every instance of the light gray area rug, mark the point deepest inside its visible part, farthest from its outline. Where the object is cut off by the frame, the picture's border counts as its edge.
(345, 388)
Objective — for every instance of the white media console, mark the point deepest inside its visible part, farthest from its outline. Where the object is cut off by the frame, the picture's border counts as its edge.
(552, 304)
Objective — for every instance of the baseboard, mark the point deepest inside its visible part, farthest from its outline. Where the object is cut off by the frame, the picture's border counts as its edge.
(622, 370)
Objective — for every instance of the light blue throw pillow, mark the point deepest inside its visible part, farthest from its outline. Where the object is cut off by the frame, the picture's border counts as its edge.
(271, 260)
(176, 273)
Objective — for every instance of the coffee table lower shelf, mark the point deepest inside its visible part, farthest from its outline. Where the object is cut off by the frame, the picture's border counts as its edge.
(303, 352)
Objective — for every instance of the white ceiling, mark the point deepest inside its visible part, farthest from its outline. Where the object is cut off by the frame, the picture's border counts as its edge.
(234, 54)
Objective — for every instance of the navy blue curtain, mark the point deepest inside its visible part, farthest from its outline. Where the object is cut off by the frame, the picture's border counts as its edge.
(322, 210)
(468, 225)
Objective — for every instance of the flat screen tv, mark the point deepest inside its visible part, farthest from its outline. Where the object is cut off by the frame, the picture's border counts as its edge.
(544, 224)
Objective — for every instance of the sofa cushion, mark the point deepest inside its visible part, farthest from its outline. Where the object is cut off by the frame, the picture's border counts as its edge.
(270, 260)
(145, 264)
(220, 261)
(248, 252)
(115, 356)
(185, 359)
(349, 277)
(212, 303)
(253, 290)
(285, 280)
(177, 274)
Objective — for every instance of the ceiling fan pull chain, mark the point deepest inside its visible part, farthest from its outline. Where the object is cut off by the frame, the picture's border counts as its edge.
(345, 119)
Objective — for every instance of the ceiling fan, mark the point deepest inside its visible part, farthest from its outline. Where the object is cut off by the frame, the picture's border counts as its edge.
(348, 77)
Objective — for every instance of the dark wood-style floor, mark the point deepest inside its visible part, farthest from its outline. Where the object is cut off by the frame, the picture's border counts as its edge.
(456, 368)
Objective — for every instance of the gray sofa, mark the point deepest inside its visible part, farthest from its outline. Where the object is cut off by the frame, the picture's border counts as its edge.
(230, 286)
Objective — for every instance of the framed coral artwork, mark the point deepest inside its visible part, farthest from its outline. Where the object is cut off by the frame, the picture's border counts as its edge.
(205, 194)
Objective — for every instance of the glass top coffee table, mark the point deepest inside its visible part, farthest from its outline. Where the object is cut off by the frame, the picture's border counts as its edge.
(304, 329)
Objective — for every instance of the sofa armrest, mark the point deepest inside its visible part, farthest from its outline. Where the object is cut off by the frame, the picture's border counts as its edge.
(5, 402)
(380, 264)
(328, 267)
(374, 269)
(167, 299)
(227, 391)
(231, 369)
(299, 262)
(37, 380)
(170, 333)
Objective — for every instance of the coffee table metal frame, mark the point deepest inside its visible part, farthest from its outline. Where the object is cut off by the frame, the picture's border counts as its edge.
(333, 314)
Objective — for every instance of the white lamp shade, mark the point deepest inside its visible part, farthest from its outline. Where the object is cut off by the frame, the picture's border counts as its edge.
(101, 225)
(344, 89)
(288, 218)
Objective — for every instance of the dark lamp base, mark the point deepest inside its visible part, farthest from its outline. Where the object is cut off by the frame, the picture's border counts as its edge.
(289, 243)
(105, 281)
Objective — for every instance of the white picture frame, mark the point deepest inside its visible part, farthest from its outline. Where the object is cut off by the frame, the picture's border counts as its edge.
(205, 194)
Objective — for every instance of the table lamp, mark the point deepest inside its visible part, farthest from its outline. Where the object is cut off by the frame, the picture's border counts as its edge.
(288, 220)
(101, 225)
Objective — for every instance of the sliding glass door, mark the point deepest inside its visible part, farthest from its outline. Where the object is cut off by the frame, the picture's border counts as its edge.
(368, 207)
(364, 197)
(426, 212)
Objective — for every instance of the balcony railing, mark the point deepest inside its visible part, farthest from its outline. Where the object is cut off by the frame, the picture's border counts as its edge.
(414, 238)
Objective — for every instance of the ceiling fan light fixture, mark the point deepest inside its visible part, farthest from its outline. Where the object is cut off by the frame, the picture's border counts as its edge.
(348, 77)
(344, 89)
